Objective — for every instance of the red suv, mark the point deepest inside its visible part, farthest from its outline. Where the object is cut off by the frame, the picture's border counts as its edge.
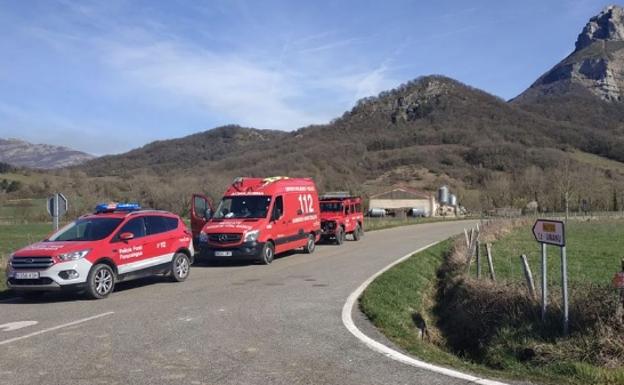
(117, 243)
(341, 214)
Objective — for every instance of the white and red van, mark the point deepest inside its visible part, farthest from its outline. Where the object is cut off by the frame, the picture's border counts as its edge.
(258, 218)
(117, 243)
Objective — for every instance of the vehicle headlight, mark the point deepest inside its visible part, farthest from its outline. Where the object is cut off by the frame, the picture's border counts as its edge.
(203, 237)
(251, 236)
(74, 255)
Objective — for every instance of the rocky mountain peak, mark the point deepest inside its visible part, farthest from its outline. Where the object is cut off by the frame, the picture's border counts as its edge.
(608, 25)
(595, 67)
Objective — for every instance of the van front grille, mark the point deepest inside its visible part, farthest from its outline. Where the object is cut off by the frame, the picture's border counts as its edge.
(224, 238)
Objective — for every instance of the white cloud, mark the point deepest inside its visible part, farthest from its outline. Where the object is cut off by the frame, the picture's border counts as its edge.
(248, 91)
(307, 80)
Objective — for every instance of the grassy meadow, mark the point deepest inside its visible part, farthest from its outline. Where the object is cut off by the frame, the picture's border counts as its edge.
(594, 252)
(399, 301)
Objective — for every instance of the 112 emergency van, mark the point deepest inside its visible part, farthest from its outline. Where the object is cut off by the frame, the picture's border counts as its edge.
(258, 218)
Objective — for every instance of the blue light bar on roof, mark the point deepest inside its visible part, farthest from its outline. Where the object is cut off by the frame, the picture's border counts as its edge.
(110, 207)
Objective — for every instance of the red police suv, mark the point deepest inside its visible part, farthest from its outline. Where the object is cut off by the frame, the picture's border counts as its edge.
(117, 243)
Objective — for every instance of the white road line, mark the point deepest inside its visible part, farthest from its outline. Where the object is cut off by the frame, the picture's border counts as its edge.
(347, 320)
(56, 328)
(11, 326)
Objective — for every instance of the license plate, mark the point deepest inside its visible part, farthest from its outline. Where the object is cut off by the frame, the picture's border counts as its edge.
(27, 275)
(223, 253)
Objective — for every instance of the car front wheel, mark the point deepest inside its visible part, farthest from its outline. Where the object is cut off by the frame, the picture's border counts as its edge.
(101, 281)
(268, 253)
(340, 236)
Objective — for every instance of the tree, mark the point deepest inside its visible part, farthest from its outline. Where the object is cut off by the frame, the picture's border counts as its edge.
(13, 186)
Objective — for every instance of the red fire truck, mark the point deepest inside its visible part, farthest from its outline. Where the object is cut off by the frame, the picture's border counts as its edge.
(341, 214)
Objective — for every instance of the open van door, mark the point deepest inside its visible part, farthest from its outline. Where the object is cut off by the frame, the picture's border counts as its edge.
(201, 211)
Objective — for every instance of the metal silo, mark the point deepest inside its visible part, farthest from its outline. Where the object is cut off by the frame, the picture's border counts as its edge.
(443, 195)
(453, 200)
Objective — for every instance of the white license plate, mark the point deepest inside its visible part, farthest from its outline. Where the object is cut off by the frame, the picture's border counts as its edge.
(223, 253)
(27, 275)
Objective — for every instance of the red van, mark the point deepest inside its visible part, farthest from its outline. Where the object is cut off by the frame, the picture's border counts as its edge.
(118, 242)
(258, 218)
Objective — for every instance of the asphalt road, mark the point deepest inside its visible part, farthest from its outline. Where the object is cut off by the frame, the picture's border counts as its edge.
(227, 324)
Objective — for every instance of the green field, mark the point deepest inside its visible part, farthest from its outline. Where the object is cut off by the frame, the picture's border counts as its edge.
(14, 236)
(594, 251)
(399, 298)
(22, 210)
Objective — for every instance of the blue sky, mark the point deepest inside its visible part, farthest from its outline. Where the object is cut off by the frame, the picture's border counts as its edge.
(109, 76)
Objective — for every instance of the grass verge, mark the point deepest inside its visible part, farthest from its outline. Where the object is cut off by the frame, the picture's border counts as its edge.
(400, 300)
(372, 224)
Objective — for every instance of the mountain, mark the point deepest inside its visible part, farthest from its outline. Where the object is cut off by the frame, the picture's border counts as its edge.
(586, 89)
(565, 131)
(429, 131)
(41, 156)
(596, 65)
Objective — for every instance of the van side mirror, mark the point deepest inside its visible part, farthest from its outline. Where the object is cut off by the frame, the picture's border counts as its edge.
(277, 214)
(126, 236)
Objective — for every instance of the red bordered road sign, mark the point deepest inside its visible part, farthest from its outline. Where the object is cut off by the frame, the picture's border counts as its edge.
(550, 232)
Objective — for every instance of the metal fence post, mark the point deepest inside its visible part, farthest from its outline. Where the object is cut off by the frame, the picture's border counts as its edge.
(544, 282)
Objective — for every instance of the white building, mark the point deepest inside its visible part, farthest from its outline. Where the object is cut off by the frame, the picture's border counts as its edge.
(403, 199)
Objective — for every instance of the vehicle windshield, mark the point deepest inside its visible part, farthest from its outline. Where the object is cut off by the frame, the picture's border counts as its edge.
(245, 206)
(334, 207)
(86, 229)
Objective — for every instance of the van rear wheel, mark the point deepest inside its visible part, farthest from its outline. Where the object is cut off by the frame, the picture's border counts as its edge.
(310, 244)
(268, 253)
(357, 233)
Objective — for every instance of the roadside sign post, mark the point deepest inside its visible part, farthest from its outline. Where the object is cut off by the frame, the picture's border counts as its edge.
(564, 288)
(544, 282)
(551, 232)
(57, 207)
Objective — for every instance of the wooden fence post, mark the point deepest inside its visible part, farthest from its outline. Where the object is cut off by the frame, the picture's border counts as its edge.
(528, 275)
(619, 310)
(488, 248)
(469, 249)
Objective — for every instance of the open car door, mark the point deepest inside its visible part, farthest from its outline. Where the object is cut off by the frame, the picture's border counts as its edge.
(201, 211)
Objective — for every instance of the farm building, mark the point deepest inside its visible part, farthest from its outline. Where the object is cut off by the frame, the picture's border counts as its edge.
(402, 199)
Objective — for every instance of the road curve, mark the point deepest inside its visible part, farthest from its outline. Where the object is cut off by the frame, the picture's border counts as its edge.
(227, 324)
